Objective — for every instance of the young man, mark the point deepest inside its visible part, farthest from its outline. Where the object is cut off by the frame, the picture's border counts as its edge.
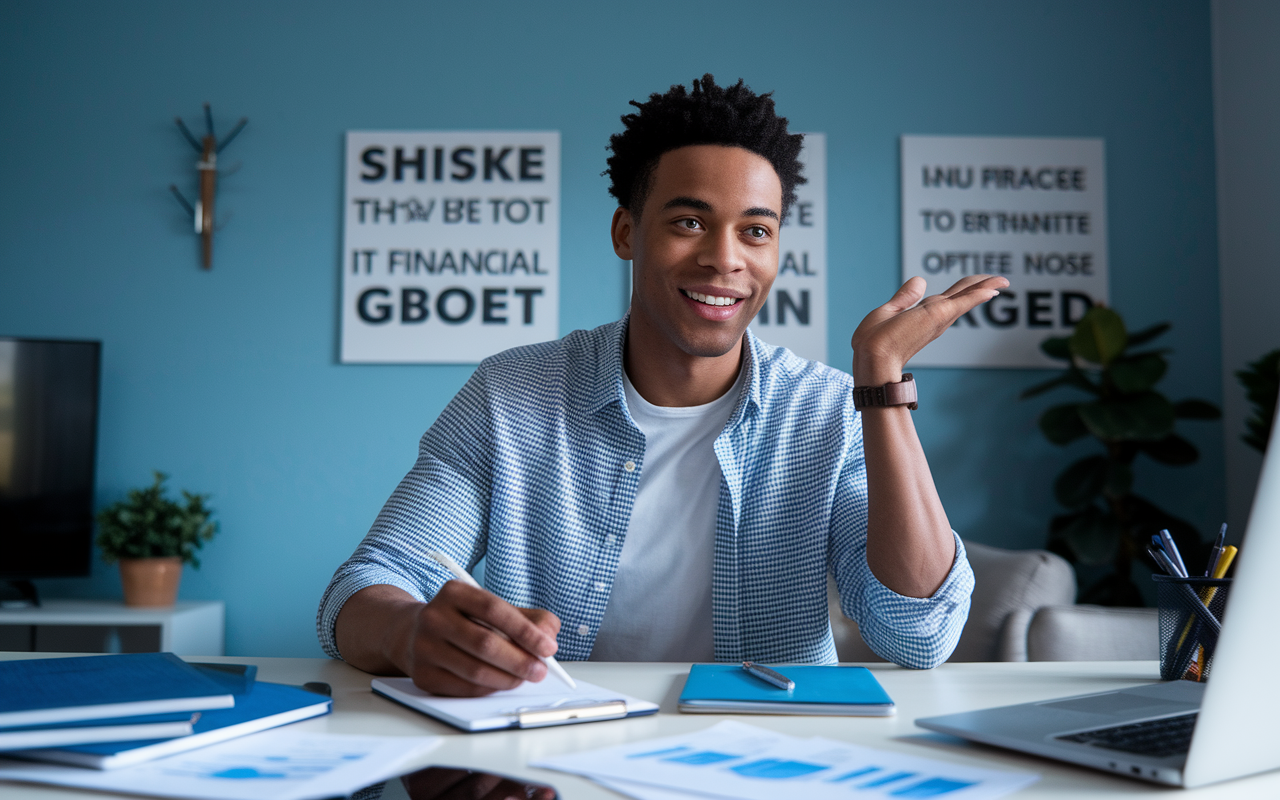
(668, 487)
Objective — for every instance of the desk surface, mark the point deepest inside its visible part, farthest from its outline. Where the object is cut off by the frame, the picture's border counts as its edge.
(950, 688)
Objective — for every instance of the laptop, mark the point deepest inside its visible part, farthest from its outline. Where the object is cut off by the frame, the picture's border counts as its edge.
(1179, 733)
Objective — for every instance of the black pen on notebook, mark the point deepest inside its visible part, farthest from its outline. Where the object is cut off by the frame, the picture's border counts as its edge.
(443, 560)
(769, 676)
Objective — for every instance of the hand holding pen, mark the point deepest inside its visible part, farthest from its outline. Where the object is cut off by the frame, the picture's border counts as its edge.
(460, 574)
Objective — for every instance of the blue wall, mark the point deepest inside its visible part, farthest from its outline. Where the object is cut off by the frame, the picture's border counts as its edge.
(228, 379)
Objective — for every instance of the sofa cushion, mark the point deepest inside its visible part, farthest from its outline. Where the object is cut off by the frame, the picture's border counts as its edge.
(1093, 633)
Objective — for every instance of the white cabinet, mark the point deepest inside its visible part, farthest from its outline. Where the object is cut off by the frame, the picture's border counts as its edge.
(104, 626)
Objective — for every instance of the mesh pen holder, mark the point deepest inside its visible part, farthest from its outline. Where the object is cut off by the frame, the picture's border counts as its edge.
(1190, 621)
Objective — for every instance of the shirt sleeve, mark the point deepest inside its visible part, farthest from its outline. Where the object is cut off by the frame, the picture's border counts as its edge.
(440, 505)
(913, 632)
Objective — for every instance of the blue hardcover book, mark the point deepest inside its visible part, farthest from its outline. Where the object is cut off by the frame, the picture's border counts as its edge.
(836, 691)
(263, 706)
(47, 691)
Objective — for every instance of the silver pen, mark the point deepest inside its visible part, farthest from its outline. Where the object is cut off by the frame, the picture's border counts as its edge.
(769, 676)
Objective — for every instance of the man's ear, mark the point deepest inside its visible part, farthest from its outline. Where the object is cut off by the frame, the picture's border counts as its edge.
(623, 229)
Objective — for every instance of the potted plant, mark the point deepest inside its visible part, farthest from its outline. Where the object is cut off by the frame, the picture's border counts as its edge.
(1106, 522)
(152, 537)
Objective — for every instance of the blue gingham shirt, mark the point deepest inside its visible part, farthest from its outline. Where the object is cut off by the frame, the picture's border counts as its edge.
(534, 465)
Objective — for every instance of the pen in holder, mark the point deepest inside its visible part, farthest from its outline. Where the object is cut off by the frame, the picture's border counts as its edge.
(1190, 621)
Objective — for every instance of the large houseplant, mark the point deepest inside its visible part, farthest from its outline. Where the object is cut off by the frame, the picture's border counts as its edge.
(152, 537)
(1105, 521)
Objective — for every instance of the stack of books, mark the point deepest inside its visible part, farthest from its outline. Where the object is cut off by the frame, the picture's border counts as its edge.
(106, 712)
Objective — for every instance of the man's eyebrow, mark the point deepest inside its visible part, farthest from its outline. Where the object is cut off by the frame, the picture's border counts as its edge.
(687, 202)
(703, 205)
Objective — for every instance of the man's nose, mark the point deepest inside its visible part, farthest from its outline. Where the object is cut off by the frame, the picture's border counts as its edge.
(722, 251)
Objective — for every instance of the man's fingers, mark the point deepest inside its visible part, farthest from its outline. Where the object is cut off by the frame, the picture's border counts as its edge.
(908, 295)
(487, 659)
(438, 680)
(976, 281)
(944, 311)
(543, 619)
(493, 610)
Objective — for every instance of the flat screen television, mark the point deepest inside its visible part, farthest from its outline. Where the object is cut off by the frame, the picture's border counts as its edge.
(48, 446)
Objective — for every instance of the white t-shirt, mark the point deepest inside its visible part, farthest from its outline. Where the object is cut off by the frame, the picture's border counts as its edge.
(660, 604)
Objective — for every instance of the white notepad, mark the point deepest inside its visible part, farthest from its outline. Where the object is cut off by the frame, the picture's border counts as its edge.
(530, 705)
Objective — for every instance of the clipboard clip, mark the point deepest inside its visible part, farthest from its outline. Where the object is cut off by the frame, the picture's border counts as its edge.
(590, 711)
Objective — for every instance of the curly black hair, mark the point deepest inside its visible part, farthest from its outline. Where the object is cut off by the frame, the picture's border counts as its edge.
(734, 116)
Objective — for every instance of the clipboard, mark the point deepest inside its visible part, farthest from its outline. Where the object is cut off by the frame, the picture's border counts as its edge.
(530, 705)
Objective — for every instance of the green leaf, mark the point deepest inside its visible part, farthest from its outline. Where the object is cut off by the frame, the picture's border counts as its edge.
(1172, 450)
(1081, 482)
(1119, 480)
(1072, 377)
(1041, 388)
(1146, 416)
(1196, 409)
(1147, 334)
(1137, 374)
(1099, 336)
(1056, 347)
(1092, 536)
(1062, 424)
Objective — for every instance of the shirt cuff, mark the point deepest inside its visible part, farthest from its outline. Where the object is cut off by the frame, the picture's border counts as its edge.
(918, 632)
(344, 585)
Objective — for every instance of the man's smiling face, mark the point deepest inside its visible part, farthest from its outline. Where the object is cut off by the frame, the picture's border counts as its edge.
(704, 249)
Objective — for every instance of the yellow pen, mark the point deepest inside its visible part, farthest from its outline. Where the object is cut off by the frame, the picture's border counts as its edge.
(1206, 596)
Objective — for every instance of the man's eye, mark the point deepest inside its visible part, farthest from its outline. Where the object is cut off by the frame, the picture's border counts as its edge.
(757, 232)
(690, 224)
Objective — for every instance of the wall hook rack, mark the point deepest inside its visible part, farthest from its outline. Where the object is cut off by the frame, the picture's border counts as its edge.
(207, 167)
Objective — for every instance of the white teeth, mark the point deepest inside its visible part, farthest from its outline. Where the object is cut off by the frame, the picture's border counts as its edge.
(711, 300)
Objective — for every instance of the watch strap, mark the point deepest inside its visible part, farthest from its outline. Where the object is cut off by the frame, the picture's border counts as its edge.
(902, 393)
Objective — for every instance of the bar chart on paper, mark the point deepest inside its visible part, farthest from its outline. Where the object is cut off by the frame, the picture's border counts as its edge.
(280, 764)
(733, 759)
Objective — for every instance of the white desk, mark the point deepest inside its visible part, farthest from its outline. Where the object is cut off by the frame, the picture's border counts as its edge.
(952, 687)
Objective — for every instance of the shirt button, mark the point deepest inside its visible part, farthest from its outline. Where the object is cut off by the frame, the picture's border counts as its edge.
(610, 540)
(583, 630)
(630, 466)
(600, 586)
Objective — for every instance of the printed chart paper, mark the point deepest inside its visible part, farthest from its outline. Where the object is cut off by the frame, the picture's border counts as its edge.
(274, 765)
(451, 244)
(1032, 210)
(736, 760)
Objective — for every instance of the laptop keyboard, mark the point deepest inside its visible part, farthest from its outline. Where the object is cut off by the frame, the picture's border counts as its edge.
(1158, 737)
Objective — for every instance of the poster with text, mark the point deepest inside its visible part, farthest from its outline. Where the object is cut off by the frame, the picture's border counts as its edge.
(451, 244)
(1033, 210)
(795, 315)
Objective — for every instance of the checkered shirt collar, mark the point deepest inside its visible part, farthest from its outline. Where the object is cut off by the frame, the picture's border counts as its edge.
(604, 375)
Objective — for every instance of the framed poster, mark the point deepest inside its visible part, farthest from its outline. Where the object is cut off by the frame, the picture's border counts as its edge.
(1033, 210)
(795, 315)
(451, 244)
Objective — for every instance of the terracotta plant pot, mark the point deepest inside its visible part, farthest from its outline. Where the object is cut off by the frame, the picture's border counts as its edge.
(150, 581)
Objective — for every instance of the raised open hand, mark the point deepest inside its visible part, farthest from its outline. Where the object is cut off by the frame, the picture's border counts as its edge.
(890, 335)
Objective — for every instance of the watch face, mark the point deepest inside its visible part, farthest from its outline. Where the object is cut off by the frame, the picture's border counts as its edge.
(456, 783)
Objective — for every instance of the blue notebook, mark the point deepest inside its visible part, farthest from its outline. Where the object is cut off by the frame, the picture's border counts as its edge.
(263, 706)
(62, 734)
(835, 691)
(46, 691)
